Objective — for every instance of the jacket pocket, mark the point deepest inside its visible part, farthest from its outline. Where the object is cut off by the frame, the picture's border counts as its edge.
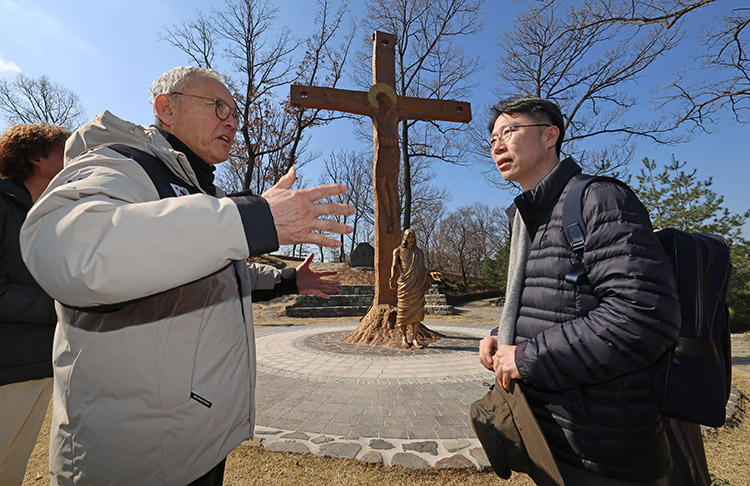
(178, 340)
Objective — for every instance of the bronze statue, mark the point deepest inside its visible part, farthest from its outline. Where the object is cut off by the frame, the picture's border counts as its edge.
(409, 272)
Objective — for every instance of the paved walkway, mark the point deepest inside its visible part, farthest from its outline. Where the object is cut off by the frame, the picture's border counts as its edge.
(407, 407)
(399, 407)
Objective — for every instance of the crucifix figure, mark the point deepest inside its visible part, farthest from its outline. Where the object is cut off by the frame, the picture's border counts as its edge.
(386, 110)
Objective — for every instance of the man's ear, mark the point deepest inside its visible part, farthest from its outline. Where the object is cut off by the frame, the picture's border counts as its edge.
(163, 106)
(551, 134)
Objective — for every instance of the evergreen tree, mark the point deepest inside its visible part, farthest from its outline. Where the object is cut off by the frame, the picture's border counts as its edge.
(739, 288)
(495, 270)
(676, 198)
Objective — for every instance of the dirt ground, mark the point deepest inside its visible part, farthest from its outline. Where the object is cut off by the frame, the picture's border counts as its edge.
(727, 450)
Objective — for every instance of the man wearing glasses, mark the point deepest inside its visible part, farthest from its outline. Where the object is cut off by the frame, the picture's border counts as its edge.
(154, 354)
(580, 351)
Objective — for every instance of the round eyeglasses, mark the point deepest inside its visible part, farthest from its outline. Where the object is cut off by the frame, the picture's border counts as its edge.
(223, 108)
(506, 132)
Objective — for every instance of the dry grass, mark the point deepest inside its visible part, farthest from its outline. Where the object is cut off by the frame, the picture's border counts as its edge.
(727, 449)
(257, 466)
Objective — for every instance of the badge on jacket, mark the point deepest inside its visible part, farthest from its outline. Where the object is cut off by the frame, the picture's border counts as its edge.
(179, 190)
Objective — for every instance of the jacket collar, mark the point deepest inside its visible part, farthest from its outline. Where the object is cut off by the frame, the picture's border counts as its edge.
(538, 202)
(204, 172)
(107, 129)
(17, 192)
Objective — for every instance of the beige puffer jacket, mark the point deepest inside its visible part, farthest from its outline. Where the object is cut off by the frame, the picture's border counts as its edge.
(161, 390)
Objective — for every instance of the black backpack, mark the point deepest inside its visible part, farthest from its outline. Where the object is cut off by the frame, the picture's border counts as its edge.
(692, 380)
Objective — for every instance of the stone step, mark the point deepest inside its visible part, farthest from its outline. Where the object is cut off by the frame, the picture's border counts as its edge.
(335, 300)
(440, 310)
(340, 311)
(435, 299)
(355, 310)
(355, 300)
(356, 289)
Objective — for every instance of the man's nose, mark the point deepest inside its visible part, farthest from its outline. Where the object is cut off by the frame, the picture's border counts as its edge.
(496, 146)
(232, 122)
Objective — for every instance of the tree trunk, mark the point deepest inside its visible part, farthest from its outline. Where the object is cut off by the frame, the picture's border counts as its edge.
(251, 156)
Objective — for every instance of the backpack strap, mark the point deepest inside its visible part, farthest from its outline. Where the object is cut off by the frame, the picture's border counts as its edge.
(572, 220)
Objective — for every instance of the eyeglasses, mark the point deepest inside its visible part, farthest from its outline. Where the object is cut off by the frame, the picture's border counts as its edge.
(223, 108)
(506, 133)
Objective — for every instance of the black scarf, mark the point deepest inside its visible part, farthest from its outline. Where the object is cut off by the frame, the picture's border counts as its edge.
(203, 171)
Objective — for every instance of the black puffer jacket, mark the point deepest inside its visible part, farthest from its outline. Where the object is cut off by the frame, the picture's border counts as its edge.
(27, 314)
(584, 350)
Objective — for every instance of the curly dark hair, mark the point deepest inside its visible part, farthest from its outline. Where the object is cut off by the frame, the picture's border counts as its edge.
(538, 109)
(22, 144)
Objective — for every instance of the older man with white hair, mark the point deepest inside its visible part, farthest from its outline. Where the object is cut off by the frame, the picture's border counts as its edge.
(154, 354)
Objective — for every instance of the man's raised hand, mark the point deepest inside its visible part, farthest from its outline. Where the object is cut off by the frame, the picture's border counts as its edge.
(310, 282)
(296, 212)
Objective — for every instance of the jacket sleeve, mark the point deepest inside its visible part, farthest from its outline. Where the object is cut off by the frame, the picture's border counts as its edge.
(269, 282)
(23, 304)
(109, 239)
(637, 316)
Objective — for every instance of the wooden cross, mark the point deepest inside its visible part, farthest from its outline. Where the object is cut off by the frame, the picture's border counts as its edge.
(386, 110)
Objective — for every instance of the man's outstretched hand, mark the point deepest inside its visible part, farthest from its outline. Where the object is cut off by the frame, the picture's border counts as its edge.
(296, 212)
(311, 282)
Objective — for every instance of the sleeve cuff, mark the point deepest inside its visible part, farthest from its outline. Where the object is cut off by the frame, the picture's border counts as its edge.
(286, 285)
(518, 356)
(257, 222)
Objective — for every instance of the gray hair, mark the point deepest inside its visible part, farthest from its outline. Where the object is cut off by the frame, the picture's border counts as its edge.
(177, 79)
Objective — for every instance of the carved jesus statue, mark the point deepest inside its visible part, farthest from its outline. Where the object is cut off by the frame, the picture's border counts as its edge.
(409, 272)
(388, 160)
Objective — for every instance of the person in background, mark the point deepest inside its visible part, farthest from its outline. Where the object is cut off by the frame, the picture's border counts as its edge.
(154, 354)
(30, 156)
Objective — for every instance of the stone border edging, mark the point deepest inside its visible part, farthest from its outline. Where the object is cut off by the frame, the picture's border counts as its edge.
(409, 453)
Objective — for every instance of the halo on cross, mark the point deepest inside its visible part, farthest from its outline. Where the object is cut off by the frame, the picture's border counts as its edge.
(380, 88)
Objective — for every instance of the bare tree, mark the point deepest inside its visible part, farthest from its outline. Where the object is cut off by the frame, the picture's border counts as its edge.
(427, 227)
(726, 67)
(196, 38)
(469, 235)
(28, 100)
(355, 171)
(640, 13)
(430, 63)
(322, 64)
(271, 132)
(721, 56)
(428, 206)
(589, 58)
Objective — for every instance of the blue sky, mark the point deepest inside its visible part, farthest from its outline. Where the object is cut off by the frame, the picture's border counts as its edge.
(108, 52)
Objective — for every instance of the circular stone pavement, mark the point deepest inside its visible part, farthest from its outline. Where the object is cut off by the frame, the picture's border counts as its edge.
(408, 407)
(402, 407)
